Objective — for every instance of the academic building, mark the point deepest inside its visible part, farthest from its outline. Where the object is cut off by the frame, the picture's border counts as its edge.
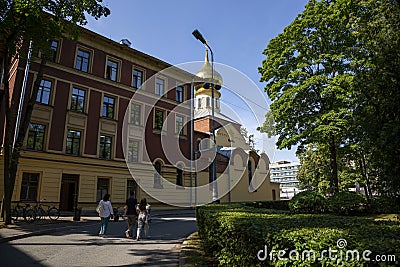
(108, 118)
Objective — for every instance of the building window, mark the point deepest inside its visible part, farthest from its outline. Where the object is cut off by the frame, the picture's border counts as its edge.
(43, 95)
(36, 136)
(54, 50)
(199, 103)
(131, 186)
(136, 114)
(159, 116)
(137, 78)
(108, 107)
(157, 175)
(112, 70)
(29, 186)
(82, 60)
(78, 99)
(105, 147)
(217, 103)
(179, 120)
(208, 102)
(160, 86)
(73, 142)
(133, 151)
(273, 194)
(250, 171)
(179, 94)
(103, 186)
(179, 176)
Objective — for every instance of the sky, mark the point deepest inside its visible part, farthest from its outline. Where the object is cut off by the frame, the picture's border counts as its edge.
(237, 32)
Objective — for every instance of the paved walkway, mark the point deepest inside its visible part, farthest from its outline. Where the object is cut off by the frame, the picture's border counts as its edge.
(22, 229)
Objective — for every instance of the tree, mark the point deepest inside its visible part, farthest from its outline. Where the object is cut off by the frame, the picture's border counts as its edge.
(314, 169)
(377, 113)
(35, 22)
(309, 71)
(249, 139)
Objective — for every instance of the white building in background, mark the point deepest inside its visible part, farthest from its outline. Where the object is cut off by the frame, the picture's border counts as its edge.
(285, 173)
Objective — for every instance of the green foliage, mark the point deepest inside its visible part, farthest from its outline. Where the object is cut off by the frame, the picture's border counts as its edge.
(271, 204)
(236, 233)
(347, 203)
(384, 204)
(309, 202)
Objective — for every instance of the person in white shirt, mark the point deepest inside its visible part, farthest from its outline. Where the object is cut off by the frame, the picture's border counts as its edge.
(106, 214)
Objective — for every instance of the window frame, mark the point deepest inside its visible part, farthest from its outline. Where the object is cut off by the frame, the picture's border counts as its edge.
(179, 94)
(71, 152)
(99, 191)
(155, 120)
(182, 124)
(160, 90)
(135, 115)
(35, 143)
(157, 182)
(55, 52)
(179, 176)
(133, 159)
(107, 107)
(41, 91)
(117, 70)
(73, 101)
(82, 61)
(135, 80)
(108, 142)
(24, 194)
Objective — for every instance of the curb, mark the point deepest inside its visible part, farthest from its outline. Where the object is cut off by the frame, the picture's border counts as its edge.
(182, 254)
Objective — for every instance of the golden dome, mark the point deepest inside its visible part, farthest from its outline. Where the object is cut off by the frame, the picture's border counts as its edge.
(206, 72)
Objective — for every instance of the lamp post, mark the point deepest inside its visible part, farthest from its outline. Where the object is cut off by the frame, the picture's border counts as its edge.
(215, 199)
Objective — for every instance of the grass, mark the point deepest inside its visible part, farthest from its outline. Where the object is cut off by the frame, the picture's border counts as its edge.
(195, 254)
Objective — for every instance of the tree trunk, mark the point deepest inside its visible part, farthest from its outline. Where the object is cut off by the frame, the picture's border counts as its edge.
(333, 165)
(7, 143)
(364, 171)
(11, 155)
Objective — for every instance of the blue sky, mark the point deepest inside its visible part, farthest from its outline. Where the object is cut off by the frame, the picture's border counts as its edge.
(237, 31)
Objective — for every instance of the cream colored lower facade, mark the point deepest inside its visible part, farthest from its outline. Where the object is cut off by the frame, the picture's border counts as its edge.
(63, 180)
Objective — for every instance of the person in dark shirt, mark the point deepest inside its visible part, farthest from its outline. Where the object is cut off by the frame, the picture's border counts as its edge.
(130, 213)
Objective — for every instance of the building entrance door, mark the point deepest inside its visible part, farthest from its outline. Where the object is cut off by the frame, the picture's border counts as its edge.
(69, 191)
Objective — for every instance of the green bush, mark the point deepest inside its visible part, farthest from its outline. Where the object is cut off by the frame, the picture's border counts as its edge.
(347, 203)
(384, 204)
(237, 233)
(308, 202)
(271, 204)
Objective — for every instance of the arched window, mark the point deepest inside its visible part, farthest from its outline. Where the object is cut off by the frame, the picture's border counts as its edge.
(157, 174)
(250, 171)
(179, 175)
(198, 144)
(208, 102)
(199, 103)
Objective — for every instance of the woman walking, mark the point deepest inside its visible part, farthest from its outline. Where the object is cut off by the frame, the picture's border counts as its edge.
(143, 211)
(107, 212)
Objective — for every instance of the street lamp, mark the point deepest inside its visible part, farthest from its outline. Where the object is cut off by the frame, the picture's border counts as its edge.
(215, 199)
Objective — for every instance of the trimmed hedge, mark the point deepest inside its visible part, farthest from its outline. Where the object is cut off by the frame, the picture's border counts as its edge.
(347, 203)
(270, 204)
(308, 202)
(236, 233)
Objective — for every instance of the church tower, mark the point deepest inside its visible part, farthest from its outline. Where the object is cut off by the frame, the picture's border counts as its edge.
(203, 91)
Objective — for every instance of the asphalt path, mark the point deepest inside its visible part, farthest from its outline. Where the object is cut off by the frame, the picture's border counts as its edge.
(81, 246)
